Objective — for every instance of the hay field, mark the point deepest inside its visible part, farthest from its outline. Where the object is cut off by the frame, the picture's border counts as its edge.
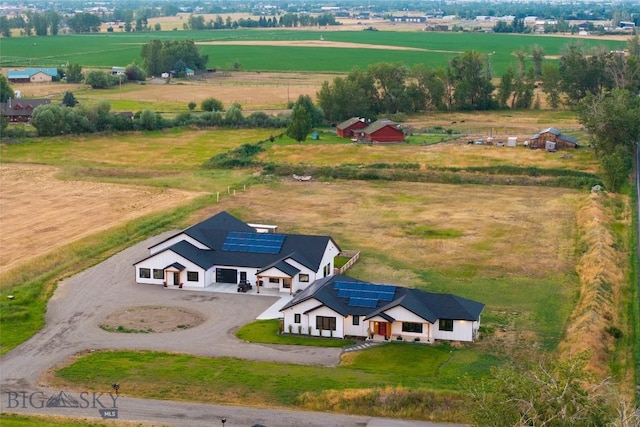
(379, 218)
(39, 213)
(449, 154)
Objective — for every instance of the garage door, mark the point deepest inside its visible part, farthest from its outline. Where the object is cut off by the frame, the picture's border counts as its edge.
(226, 275)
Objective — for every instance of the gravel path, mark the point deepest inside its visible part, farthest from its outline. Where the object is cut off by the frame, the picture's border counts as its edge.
(83, 301)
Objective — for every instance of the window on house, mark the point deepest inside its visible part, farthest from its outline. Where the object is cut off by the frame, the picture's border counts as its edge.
(158, 273)
(412, 327)
(356, 320)
(304, 278)
(296, 318)
(145, 273)
(326, 323)
(274, 280)
(327, 270)
(192, 276)
(446, 325)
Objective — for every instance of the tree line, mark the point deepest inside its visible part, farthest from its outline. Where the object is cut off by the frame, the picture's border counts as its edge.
(466, 83)
(71, 117)
(288, 20)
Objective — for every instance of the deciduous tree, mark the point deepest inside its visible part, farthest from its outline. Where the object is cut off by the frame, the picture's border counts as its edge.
(300, 125)
(74, 73)
(6, 91)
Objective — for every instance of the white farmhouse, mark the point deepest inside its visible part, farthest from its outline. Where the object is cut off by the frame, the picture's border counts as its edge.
(224, 249)
(340, 306)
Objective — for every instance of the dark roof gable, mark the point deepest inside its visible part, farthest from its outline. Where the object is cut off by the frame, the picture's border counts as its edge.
(212, 233)
(427, 305)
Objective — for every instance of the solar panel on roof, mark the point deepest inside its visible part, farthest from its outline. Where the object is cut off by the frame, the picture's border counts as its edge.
(363, 302)
(262, 243)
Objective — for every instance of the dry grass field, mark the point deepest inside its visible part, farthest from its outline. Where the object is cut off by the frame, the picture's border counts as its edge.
(384, 218)
(40, 213)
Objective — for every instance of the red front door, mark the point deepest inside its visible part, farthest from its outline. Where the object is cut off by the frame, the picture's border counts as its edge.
(382, 329)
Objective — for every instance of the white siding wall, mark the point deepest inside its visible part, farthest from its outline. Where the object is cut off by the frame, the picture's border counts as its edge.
(400, 314)
(309, 319)
(296, 284)
(360, 330)
(163, 259)
(172, 241)
(462, 331)
(330, 252)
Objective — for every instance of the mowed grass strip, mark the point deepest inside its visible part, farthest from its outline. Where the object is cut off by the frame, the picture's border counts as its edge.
(234, 381)
(15, 420)
(267, 331)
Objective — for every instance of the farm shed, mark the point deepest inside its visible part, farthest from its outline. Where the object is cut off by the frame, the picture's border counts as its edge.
(32, 75)
(340, 306)
(381, 131)
(561, 141)
(347, 128)
(20, 110)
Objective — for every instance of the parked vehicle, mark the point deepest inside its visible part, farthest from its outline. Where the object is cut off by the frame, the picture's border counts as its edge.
(244, 286)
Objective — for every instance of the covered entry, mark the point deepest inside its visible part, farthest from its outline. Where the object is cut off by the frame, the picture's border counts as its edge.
(172, 273)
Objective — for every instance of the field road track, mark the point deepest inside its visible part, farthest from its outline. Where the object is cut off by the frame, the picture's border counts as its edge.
(81, 302)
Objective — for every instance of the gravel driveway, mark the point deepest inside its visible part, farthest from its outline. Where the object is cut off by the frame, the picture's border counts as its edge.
(83, 301)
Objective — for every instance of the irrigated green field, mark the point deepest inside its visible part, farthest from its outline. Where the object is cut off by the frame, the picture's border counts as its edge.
(435, 49)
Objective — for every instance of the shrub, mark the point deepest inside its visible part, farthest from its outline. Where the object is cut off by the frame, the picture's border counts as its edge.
(614, 332)
(211, 104)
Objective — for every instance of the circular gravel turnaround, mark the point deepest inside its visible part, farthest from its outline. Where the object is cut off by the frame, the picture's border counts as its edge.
(153, 319)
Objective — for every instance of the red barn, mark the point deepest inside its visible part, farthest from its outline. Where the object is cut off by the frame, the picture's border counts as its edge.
(381, 131)
(347, 129)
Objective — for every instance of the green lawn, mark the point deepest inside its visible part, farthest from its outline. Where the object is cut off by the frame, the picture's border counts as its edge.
(266, 331)
(15, 420)
(185, 377)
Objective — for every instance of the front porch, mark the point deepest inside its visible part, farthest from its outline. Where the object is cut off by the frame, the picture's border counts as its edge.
(392, 331)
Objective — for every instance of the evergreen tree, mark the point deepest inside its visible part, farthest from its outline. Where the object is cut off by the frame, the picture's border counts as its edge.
(68, 100)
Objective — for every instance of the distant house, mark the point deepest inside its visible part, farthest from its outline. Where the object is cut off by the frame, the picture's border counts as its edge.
(223, 249)
(32, 75)
(347, 128)
(339, 306)
(20, 110)
(187, 71)
(552, 137)
(405, 18)
(381, 131)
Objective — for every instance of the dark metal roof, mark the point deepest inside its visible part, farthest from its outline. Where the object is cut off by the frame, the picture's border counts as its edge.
(379, 124)
(350, 122)
(21, 106)
(200, 257)
(283, 266)
(176, 265)
(427, 305)
(212, 232)
(558, 135)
